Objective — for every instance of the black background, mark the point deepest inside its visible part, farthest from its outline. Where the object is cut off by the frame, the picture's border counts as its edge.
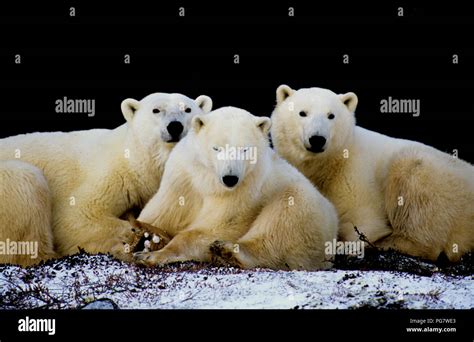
(233, 325)
(82, 57)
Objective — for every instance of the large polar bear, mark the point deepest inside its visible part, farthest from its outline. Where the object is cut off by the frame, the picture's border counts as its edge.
(93, 176)
(399, 193)
(227, 197)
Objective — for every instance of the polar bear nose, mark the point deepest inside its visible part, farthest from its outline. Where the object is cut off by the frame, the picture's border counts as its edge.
(175, 128)
(316, 143)
(230, 180)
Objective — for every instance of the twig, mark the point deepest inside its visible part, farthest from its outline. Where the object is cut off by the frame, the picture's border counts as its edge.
(363, 238)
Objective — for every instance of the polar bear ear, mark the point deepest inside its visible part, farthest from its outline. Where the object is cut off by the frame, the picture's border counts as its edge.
(283, 92)
(197, 123)
(204, 102)
(264, 124)
(129, 107)
(350, 101)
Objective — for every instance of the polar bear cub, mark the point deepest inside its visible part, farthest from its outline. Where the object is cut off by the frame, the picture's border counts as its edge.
(93, 176)
(401, 194)
(227, 197)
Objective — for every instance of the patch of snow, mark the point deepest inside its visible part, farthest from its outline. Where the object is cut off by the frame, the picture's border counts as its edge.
(74, 282)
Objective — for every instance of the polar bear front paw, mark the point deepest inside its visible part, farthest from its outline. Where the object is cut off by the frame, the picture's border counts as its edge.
(223, 253)
(150, 258)
(145, 258)
(129, 237)
(152, 238)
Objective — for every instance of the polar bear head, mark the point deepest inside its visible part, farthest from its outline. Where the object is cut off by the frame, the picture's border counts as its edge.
(312, 121)
(162, 117)
(228, 144)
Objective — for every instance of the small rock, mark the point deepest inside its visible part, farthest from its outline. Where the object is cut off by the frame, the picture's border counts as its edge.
(101, 304)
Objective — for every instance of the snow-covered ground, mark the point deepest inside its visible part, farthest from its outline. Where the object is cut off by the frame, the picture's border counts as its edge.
(75, 281)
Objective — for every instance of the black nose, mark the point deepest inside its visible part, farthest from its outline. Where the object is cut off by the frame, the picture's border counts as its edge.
(317, 143)
(230, 181)
(175, 128)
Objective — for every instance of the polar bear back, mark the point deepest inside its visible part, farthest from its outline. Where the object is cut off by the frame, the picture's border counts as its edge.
(79, 153)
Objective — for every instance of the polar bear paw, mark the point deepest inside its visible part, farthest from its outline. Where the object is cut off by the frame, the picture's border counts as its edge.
(126, 236)
(156, 258)
(151, 238)
(224, 253)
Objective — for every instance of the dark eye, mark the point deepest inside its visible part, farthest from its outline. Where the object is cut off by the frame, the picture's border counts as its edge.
(156, 110)
(188, 110)
(303, 113)
(331, 116)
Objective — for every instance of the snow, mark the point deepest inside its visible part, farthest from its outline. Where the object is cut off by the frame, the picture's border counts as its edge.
(77, 281)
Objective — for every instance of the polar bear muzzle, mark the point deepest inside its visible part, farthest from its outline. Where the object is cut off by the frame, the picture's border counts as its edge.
(230, 180)
(316, 144)
(174, 128)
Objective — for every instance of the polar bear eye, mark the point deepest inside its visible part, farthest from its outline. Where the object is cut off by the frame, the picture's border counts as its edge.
(216, 148)
(331, 116)
(188, 110)
(303, 114)
(156, 110)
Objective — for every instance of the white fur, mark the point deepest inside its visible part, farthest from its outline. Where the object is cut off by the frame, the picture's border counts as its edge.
(364, 174)
(274, 216)
(97, 175)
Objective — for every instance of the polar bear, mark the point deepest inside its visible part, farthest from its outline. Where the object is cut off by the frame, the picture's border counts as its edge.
(227, 197)
(400, 194)
(25, 238)
(97, 175)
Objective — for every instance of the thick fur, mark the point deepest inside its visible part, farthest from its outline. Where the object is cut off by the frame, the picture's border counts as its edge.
(95, 176)
(24, 191)
(401, 194)
(273, 217)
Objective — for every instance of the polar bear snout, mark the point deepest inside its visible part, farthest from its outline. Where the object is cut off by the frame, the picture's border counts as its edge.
(230, 180)
(175, 128)
(316, 144)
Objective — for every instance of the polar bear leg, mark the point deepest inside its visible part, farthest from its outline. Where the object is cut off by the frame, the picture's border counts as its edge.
(284, 236)
(428, 205)
(192, 244)
(25, 213)
(364, 221)
(175, 204)
(95, 232)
